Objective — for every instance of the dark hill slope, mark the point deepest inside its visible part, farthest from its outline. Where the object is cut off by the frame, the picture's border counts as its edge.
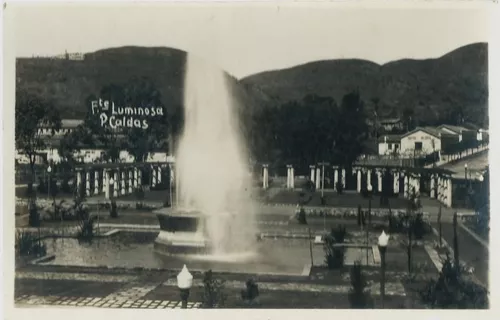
(68, 83)
(436, 89)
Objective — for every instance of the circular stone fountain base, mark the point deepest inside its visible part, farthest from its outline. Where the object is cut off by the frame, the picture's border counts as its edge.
(181, 231)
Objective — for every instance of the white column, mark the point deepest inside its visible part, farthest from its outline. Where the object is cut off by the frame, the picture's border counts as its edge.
(87, 183)
(312, 173)
(159, 173)
(288, 174)
(318, 178)
(368, 178)
(265, 176)
(335, 178)
(78, 181)
(433, 186)
(136, 178)
(439, 195)
(379, 180)
(396, 182)
(358, 183)
(292, 179)
(406, 185)
(130, 184)
(103, 178)
(343, 179)
(449, 183)
(106, 185)
(96, 182)
(122, 182)
(116, 186)
(153, 176)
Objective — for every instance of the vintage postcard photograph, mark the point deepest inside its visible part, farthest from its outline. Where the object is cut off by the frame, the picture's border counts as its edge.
(249, 156)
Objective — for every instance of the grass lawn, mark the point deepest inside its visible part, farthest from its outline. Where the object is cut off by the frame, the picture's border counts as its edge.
(350, 200)
(276, 299)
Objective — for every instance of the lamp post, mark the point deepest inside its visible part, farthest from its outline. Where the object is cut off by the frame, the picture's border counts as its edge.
(323, 164)
(49, 170)
(383, 240)
(466, 180)
(369, 189)
(184, 283)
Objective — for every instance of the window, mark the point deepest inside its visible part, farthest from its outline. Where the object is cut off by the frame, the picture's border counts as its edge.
(418, 146)
(390, 146)
(396, 146)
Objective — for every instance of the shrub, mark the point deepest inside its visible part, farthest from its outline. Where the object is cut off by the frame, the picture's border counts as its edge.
(26, 245)
(334, 253)
(339, 234)
(340, 187)
(213, 295)
(58, 211)
(452, 291)
(86, 229)
(419, 226)
(359, 295)
(113, 212)
(34, 215)
(251, 292)
(301, 217)
(80, 211)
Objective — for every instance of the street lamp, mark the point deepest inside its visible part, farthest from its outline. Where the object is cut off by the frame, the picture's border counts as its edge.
(465, 166)
(111, 182)
(184, 283)
(323, 164)
(383, 239)
(49, 170)
(369, 189)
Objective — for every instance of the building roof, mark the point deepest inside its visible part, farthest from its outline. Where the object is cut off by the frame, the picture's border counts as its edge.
(390, 138)
(429, 130)
(433, 131)
(66, 123)
(390, 121)
(456, 129)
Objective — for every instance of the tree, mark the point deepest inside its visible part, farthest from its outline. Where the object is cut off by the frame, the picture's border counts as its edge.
(351, 130)
(33, 112)
(452, 290)
(139, 142)
(359, 294)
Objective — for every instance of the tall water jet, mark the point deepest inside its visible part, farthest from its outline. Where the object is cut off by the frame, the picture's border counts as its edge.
(211, 161)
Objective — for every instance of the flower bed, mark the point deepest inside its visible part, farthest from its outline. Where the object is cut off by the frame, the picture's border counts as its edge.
(350, 213)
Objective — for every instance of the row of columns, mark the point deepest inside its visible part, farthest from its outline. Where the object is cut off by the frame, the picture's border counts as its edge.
(441, 186)
(125, 180)
(441, 189)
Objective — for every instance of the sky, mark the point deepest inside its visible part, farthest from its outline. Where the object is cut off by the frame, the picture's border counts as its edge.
(245, 39)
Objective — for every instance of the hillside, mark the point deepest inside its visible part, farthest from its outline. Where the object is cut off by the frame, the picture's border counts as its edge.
(436, 90)
(67, 83)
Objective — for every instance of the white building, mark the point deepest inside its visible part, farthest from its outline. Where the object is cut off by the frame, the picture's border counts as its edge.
(67, 125)
(422, 140)
(462, 132)
(389, 144)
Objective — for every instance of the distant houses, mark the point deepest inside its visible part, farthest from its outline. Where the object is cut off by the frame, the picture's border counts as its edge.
(427, 140)
(84, 154)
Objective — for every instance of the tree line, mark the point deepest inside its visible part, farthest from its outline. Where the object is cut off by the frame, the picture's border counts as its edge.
(309, 131)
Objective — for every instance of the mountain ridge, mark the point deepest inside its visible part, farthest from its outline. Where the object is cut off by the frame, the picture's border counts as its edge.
(453, 85)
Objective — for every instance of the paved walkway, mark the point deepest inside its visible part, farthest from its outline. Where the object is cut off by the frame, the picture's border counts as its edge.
(136, 291)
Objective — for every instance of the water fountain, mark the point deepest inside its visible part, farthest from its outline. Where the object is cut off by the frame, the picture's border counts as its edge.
(215, 214)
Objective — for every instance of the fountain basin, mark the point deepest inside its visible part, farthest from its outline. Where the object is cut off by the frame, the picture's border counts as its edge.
(181, 231)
